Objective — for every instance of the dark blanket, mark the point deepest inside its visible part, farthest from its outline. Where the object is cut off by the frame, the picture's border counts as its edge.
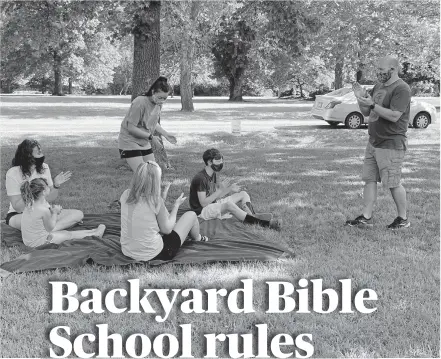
(230, 240)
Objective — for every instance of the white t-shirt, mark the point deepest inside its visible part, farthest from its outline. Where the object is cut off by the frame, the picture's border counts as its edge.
(15, 178)
(140, 238)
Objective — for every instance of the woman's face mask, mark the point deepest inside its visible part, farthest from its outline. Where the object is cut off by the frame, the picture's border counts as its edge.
(38, 156)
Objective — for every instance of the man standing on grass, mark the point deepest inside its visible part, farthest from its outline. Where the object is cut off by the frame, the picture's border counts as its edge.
(388, 111)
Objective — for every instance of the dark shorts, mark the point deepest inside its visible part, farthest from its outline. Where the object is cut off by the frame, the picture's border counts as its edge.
(9, 216)
(172, 243)
(134, 153)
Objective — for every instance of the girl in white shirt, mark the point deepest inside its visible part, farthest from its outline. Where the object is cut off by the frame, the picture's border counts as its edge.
(148, 230)
(39, 218)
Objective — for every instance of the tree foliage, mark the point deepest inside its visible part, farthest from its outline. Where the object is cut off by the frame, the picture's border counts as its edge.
(231, 49)
(65, 34)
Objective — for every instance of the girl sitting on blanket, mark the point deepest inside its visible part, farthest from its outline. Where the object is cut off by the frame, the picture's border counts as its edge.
(39, 219)
(148, 230)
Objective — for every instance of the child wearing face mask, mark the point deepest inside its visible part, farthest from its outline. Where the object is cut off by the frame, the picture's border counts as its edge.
(140, 124)
(39, 218)
(212, 199)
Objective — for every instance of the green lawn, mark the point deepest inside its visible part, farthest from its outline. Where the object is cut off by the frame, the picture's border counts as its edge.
(310, 177)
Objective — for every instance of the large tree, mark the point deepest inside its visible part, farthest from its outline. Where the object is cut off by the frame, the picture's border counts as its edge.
(49, 32)
(269, 29)
(354, 34)
(141, 19)
(231, 49)
(147, 40)
(187, 31)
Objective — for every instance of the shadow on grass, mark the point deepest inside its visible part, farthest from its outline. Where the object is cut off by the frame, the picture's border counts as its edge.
(314, 186)
(284, 175)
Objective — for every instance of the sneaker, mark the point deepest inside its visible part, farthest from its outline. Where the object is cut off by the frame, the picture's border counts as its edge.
(399, 223)
(360, 221)
(276, 224)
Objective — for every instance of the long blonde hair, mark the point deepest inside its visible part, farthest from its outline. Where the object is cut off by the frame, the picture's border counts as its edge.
(146, 185)
(32, 190)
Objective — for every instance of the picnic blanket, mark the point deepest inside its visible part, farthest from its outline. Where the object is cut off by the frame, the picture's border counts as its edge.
(230, 240)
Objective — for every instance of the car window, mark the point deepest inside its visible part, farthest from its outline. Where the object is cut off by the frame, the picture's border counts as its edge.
(340, 92)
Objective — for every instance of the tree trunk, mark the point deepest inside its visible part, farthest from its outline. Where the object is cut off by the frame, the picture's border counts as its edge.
(8, 86)
(338, 72)
(301, 88)
(58, 76)
(43, 86)
(70, 85)
(146, 53)
(186, 61)
(236, 86)
(185, 78)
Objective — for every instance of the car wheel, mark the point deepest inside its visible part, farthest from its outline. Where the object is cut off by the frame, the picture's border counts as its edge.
(333, 123)
(353, 120)
(421, 120)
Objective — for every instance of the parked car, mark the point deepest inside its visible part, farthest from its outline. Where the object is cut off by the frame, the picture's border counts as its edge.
(340, 106)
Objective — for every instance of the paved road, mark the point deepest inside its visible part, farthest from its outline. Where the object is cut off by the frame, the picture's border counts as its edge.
(80, 114)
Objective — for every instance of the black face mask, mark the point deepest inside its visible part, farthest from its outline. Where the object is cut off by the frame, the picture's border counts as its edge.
(39, 161)
(217, 168)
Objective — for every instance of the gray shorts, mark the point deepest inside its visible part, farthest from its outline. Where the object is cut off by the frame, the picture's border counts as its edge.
(383, 165)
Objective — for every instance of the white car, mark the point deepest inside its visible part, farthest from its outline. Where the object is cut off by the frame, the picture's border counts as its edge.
(340, 106)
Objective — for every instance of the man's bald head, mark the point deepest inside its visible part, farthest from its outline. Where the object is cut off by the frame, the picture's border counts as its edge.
(388, 62)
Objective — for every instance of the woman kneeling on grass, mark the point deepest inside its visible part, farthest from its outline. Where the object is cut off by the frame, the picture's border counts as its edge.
(39, 218)
(148, 230)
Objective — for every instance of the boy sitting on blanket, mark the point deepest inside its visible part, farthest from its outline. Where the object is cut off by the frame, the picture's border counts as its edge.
(207, 195)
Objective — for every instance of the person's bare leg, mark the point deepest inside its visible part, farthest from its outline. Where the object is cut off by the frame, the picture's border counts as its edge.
(188, 224)
(399, 196)
(62, 236)
(67, 218)
(369, 197)
(15, 221)
(234, 210)
(241, 196)
(134, 162)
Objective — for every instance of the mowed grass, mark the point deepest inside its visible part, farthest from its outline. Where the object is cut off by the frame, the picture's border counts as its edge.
(310, 177)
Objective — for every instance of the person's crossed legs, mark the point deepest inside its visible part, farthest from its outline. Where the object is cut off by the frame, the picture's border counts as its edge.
(66, 219)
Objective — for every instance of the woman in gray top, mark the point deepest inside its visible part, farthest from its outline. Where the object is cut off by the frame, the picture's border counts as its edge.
(141, 122)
